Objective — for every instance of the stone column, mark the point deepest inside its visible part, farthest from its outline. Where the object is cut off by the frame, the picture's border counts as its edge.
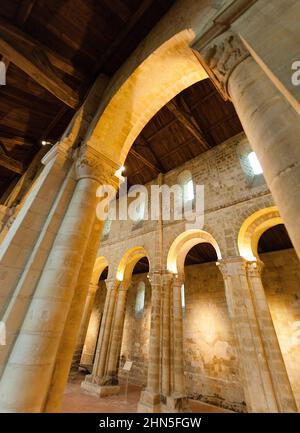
(27, 375)
(258, 385)
(282, 387)
(111, 376)
(166, 336)
(150, 397)
(92, 382)
(269, 121)
(175, 399)
(71, 330)
(89, 302)
(178, 368)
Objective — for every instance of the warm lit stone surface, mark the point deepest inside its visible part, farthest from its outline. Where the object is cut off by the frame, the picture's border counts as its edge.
(75, 400)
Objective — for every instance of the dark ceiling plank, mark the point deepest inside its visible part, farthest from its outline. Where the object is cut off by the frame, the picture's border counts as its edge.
(28, 55)
(177, 148)
(24, 11)
(119, 8)
(11, 164)
(143, 142)
(54, 122)
(160, 130)
(187, 121)
(145, 161)
(144, 5)
(14, 141)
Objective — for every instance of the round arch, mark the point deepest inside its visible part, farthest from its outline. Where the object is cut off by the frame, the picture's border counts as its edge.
(183, 243)
(252, 229)
(100, 264)
(169, 69)
(128, 262)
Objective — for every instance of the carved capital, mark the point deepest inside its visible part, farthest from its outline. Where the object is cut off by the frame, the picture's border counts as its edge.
(232, 266)
(220, 57)
(89, 163)
(255, 268)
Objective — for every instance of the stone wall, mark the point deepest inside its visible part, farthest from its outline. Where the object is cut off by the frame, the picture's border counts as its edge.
(281, 279)
(210, 357)
(135, 344)
(211, 364)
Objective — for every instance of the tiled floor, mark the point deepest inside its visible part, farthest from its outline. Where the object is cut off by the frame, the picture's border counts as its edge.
(75, 400)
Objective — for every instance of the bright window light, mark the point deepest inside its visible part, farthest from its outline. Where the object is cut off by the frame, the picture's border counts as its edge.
(255, 164)
(189, 191)
(182, 297)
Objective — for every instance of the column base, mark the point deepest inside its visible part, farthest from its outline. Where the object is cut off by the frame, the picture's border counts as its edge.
(174, 404)
(149, 402)
(99, 390)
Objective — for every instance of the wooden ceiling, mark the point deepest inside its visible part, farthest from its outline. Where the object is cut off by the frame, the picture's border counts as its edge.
(54, 50)
(194, 121)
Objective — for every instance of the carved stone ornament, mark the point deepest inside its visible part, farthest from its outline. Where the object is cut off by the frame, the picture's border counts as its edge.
(220, 57)
(89, 163)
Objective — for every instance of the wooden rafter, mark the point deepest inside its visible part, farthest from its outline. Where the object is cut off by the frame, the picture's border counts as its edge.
(11, 164)
(145, 161)
(145, 144)
(29, 56)
(187, 120)
(144, 5)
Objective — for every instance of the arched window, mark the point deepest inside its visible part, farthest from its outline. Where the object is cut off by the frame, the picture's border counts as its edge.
(139, 212)
(185, 180)
(254, 163)
(182, 297)
(140, 300)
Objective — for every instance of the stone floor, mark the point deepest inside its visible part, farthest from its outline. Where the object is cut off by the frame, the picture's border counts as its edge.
(75, 400)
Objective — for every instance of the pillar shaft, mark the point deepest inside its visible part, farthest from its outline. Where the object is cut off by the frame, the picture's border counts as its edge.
(71, 331)
(282, 387)
(84, 319)
(27, 375)
(166, 335)
(178, 367)
(28, 372)
(111, 376)
(260, 391)
(102, 349)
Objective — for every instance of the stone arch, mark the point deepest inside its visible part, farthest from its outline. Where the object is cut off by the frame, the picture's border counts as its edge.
(183, 243)
(100, 264)
(252, 229)
(128, 262)
(168, 70)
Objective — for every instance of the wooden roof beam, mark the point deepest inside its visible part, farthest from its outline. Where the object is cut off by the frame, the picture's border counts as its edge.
(30, 57)
(144, 143)
(188, 122)
(11, 164)
(145, 161)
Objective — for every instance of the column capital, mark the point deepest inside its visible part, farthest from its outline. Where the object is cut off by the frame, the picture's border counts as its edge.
(232, 266)
(89, 163)
(168, 277)
(220, 57)
(255, 268)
